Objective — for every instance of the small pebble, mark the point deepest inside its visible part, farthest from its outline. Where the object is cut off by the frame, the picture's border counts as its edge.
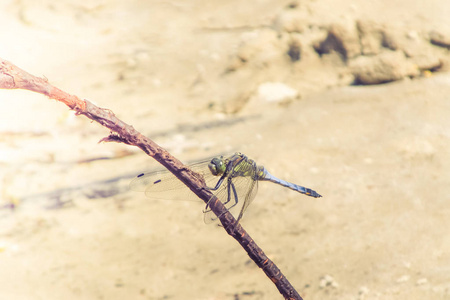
(421, 281)
(328, 281)
(276, 92)
(403, 278)
(362, 293)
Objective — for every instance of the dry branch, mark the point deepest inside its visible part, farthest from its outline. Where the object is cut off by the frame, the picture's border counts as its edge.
(12, 77)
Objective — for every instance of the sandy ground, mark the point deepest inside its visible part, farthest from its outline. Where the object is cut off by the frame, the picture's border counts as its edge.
(298, 86)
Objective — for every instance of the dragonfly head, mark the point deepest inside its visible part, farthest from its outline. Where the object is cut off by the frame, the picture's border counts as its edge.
(217, 166)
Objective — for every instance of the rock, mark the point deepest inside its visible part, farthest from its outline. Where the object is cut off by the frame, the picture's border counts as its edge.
(292, 5)
(266, 92)
(400, 40)
(371, 37)
(403, 278)
(390, 40)
(261, 48)
(275, 92)
(440, 39)
(291, 21)
(423, 55)
(295, 50)
(427, 61)
(343, 40)
(416, 48)
(385, 67)
(421, 281)
(328, 281)
(363, 292)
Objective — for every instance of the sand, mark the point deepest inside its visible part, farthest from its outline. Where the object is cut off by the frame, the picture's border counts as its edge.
(347, 98)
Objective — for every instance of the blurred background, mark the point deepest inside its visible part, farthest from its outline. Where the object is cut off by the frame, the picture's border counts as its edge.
(348, 98)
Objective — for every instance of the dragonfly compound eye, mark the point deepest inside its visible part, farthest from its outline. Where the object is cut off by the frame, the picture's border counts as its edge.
(216, 166)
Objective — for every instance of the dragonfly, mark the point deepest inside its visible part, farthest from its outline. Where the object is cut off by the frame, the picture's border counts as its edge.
(233, 180)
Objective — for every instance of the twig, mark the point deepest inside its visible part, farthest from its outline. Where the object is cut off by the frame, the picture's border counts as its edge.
(12, 77)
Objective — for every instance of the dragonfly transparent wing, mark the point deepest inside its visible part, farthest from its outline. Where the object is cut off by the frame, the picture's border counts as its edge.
(162, 184)
(245, 187)
(251, 193)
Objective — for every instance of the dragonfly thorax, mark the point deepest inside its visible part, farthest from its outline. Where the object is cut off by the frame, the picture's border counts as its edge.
(217, 166)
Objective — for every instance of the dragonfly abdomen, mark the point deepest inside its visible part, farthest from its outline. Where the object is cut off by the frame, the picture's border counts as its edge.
(265, 175)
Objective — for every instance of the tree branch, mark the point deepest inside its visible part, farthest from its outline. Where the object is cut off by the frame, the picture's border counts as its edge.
(12, 77)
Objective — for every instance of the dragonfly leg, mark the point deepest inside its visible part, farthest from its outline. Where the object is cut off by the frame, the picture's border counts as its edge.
(229, 183)
(218, 184)
(231, 187)
(236, 200)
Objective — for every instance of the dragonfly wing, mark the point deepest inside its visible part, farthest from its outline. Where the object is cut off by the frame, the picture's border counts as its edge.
(252, 189)
(246, 182)
(144, 180)
(235, 195)
(222, 194)
(162, 184)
